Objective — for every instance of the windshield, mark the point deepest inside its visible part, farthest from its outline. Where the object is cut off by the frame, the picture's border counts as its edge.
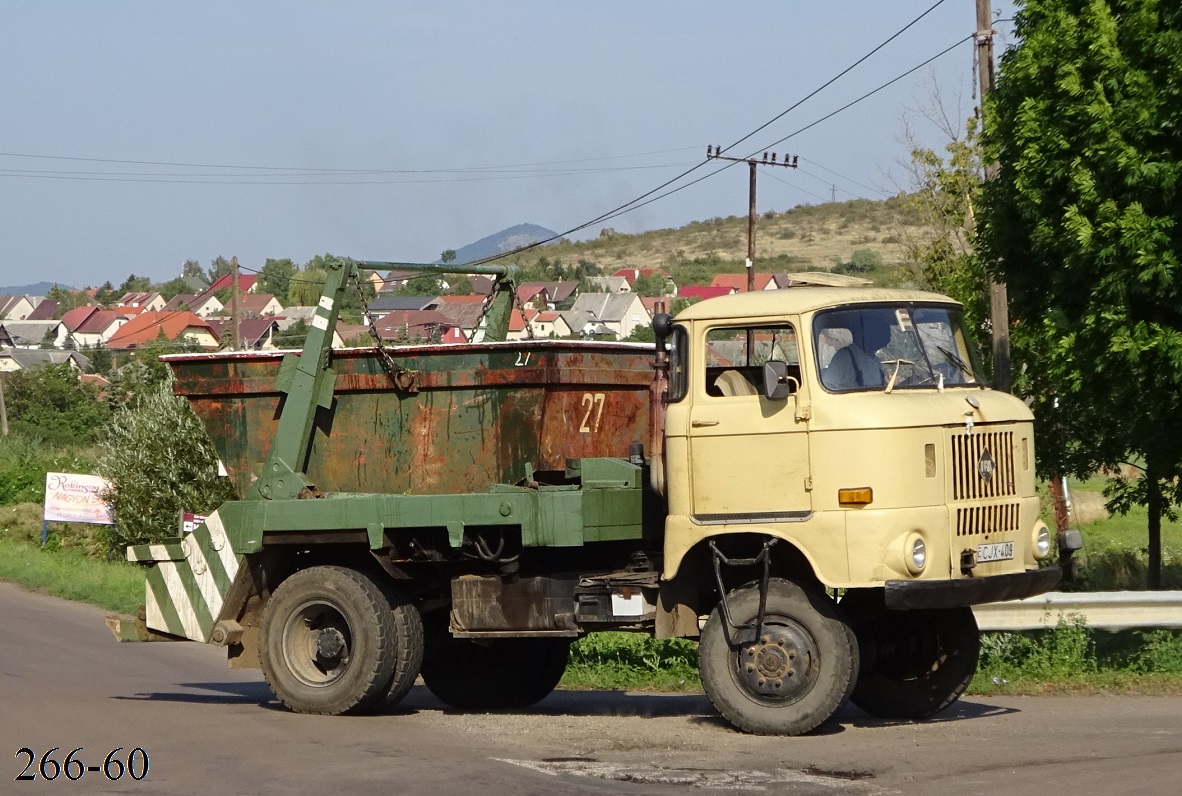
(892, 347)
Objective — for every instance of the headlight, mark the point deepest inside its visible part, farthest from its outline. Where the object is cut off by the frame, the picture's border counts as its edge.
(1042, 540)
(917, 555)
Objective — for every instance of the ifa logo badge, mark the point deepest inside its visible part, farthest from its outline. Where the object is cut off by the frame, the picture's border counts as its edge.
(985, 466)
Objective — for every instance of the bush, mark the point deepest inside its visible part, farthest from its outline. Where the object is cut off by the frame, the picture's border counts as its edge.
(159, 462)
(25, 460)
(52, 404)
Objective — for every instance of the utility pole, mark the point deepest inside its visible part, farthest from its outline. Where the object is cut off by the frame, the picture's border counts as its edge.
(999, 310)
(3, 410)
(715, 153)
(235, 337)
(833, 194)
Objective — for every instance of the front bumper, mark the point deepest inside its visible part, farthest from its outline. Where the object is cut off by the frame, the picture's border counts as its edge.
(912, 594)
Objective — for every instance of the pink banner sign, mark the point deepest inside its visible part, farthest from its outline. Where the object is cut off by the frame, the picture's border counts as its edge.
(70, 497)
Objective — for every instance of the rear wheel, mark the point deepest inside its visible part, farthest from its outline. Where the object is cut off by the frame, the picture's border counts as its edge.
(785, 678)
(331, 642)
(493, 674)
(914, 663)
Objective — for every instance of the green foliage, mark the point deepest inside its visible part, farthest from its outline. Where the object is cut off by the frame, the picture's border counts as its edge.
(630, 660)
(642, 334)
(69, 299)
(304, 288)
(292, 337)
(448, 256)
(862, 261)
(945, 193)
(115, 586)
(421, 285)
(218, 268)
(105, 295)
(100, 358)
(275, 278)
(191, 269)
(170, 289)
(51, 403)
(25, 460)
(1085, 224)
(159, 462)
(134, 284)
(654, 285)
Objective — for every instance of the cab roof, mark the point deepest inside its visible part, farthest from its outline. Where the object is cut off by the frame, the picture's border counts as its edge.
(802, 299)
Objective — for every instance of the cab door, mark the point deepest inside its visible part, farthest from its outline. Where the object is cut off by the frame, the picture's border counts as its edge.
(749, 455)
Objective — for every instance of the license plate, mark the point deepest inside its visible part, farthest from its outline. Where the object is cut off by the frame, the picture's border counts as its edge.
(997, 551)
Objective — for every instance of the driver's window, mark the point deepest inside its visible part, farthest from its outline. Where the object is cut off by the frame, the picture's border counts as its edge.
(735, 357)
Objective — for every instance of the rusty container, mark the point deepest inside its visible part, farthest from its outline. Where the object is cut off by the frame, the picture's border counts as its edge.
(464, 417)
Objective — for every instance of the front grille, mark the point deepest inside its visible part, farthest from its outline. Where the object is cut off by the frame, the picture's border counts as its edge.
(975, 520)
(968, 456)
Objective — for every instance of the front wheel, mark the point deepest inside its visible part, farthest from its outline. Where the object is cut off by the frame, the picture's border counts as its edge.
(787, 677)
(914, 663)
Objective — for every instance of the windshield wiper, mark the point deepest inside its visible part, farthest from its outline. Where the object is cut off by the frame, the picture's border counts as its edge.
(956, 360)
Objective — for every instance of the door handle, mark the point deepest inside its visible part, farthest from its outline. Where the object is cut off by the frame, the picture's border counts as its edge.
(702, 423)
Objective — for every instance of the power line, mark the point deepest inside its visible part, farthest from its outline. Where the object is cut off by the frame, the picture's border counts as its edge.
(842, 176)
(627, 209)
(644, 199)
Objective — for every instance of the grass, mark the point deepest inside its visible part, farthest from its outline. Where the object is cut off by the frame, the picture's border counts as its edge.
(73, 575)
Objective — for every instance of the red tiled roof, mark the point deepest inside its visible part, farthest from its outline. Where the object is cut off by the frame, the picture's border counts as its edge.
(146, 327)
(75, 317)
(245, 282)
(703, 291)
(98, 322)
(44, 311)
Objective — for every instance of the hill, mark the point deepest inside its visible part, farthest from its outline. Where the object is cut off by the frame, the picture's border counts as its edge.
(38, 289)
(805, 238)
(500, 242)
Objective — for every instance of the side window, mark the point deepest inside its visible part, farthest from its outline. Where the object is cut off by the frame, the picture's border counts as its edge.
(735, 356)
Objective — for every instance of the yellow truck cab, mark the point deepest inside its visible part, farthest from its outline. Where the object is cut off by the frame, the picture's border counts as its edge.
(842, 438)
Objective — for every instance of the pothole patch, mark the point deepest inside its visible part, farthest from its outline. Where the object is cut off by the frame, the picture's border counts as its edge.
(812, 780)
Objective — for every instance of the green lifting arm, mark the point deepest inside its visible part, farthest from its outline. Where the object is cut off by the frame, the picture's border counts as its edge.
(307, 380)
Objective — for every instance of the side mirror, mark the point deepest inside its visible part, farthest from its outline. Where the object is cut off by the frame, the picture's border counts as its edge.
(777, 384)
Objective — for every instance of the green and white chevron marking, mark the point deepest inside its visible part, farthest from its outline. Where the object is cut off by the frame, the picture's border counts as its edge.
(189, 582)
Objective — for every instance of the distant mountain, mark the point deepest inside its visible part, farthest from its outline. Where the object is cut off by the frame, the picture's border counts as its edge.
(39, 289)
(503, 241)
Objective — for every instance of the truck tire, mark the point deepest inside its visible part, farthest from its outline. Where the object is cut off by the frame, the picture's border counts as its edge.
(408, 647)
(493, 674)
(788, 678)
(330, 643)
(914, 663)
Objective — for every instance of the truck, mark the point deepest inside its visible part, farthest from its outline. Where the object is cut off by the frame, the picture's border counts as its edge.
(821, 521)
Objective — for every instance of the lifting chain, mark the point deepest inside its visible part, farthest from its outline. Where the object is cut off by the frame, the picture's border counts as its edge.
(402, 378)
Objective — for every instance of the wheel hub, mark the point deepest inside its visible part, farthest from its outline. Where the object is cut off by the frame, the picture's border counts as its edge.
(330, 644)
(776, 664)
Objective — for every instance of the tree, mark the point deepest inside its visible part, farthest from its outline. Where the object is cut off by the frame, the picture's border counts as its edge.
(134, 284)
(448, 256)
(218, 268)
(646, 285)
(292, 337)
(170, 289)
(421, 285)
(67, 299)
(1085, 224)
(192, 269)
(106, 294)
(52, 403)
(275, 278)
(159, 461)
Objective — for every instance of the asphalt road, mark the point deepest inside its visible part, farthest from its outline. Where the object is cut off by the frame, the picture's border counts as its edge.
(64, 682)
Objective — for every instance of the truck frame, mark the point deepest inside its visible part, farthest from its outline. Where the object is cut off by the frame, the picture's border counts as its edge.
(464, 513)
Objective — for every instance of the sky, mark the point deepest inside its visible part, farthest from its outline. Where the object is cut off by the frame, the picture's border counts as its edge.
(136, 135)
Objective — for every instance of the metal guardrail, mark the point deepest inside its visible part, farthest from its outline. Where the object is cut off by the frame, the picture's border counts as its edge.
(1112, 610)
